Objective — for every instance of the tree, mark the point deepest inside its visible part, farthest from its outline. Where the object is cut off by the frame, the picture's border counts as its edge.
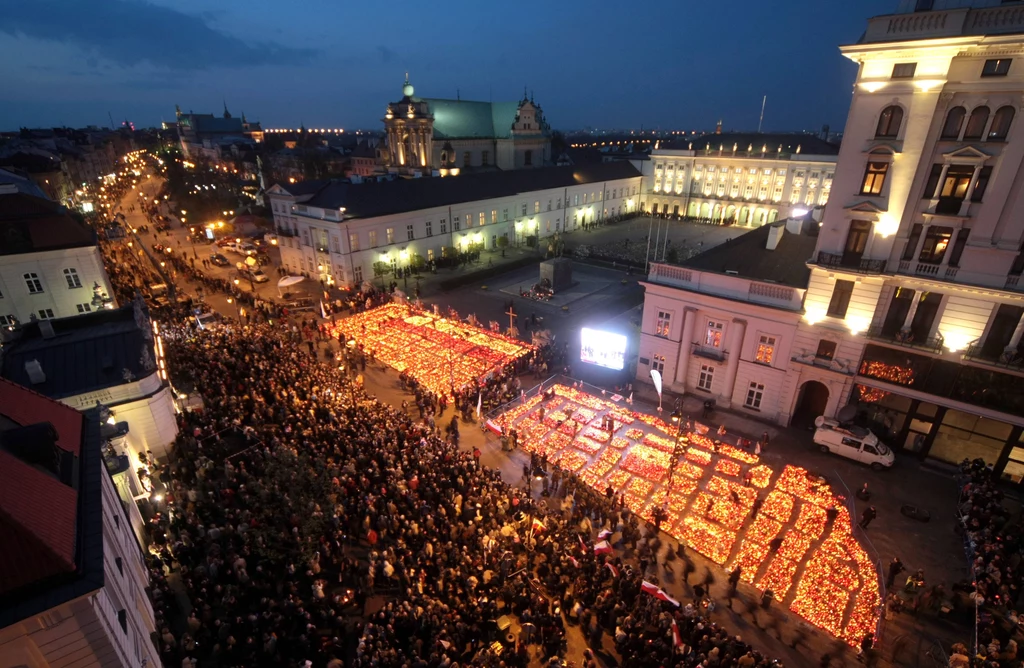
(417, 262)
(380, 270)
(503, 244)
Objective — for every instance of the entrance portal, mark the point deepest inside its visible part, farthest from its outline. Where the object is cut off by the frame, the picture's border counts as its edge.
(811, 402)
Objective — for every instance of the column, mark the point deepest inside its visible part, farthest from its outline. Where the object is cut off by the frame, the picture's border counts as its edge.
(736, 334)
(942, 180)
(685, 345)
(1018, 332)
(970, 189)
(909, 320)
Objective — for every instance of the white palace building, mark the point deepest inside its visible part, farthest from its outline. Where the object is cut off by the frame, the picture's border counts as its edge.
(911, 306)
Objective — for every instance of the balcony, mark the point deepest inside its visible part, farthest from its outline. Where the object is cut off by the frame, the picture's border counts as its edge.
(709, 352)
(1011, 360)
(929, 269)
(903, 339)
(860, 265)
(949, 206)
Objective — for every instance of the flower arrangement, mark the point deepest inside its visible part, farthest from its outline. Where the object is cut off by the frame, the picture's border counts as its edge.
(795, 481)
(621, 417)
(811, 520)
(749, 559)
(700, 457)
(570, 460)
(647, 463)
(778, 505)
(640, 487)
(581, 397)
(569, 428)
(712, 541)
(660, 442)
(584, 415)
(763, 529)
(794, 545)
(737, 454)
(586, 445)
(617, 480)
(728, 467)
(760, 476)
(688, 470)
(635, 434)
(778, 577)
(620, 443)
(599, 435)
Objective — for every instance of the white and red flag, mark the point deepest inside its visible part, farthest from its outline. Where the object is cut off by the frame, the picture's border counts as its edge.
(603, 547)
(615, 571)
(658, 593)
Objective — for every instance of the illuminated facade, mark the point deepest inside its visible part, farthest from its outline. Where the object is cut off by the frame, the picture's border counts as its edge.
(749, 186)
(427, 134)
(914, 310)
(336, 231)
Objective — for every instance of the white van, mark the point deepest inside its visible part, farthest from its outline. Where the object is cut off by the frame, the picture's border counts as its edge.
(856, 443)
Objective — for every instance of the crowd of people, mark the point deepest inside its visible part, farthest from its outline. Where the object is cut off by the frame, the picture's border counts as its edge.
(994, 547)
(308, 522)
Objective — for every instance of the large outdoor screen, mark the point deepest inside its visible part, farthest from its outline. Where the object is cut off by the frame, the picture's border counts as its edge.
(605, 349)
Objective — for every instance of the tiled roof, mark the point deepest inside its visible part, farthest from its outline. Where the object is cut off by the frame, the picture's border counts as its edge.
(748, 256)
(466, 119)
(89, 352)
(38, 513)
(30, 224)
(372, 198)
(25, 407)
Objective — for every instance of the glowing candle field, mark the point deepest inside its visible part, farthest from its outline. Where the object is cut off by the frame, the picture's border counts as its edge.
(819, 571)
(439, 353)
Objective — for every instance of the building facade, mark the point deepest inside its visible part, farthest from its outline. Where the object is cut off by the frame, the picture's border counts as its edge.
(75, 579)
(336, 231)
(426, 134)
(208, 136)
(50, 263)
(746, 185)
(723, 325)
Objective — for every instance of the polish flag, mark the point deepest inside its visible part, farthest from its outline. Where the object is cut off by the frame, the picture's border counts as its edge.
(538, 524)
(583, 545)
(677, 641)
(604, 535)
(615, 571)
(574, 562)
(658, 593)
(604, 547)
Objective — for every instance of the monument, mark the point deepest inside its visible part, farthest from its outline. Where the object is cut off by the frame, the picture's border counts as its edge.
(556, 274)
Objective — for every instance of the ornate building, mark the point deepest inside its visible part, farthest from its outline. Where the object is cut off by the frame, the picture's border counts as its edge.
(205, 135)
(428, 134)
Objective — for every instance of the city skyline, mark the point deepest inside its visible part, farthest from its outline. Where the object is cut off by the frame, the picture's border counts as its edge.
(87, 63)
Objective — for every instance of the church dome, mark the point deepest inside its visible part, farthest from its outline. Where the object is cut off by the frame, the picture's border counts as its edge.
(407, 89)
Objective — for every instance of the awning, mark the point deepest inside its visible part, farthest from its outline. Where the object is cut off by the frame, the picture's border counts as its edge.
(289, 281)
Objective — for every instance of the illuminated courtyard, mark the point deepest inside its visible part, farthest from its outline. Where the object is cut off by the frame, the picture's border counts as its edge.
(819, 570)
(440, 353)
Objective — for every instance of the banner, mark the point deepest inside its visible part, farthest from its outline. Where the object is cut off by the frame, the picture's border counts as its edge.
(658, 593)
(656, 375)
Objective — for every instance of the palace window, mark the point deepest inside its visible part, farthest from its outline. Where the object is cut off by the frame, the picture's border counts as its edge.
(84, 308)
(904, 70)
(826, 350)
(45, 313)
(35, 286)
(430, 228)
(353, 240)
(658, 363)
(713, 334)
(482, 218)
(71, 276)
(664, 324)
(997, 67)
(444, 226)
(954, 121)
(765, 350)
(1001, 123)
(357, 274)
(706, 378)
(874, 178)
(976, 123)
(840, 301)
(409, 233)
(373, 238)
(390, 234)
(889, 122)
(755, 392)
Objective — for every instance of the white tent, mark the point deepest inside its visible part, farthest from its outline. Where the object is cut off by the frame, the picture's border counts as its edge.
(287, 282)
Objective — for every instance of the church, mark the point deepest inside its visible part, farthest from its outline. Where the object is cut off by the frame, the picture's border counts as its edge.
(206, 135)
(431, 134)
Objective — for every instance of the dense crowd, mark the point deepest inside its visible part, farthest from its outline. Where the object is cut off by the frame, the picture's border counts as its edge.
(295, 502)
(993, 542)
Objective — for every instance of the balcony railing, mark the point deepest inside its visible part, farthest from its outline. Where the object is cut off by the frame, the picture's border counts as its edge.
(907, 340)
(861, 265)
(1005, 360)
(709, 352)
(927, 269)
(948, 206)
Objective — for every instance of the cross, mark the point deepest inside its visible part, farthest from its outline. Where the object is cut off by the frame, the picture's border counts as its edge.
(511, 315)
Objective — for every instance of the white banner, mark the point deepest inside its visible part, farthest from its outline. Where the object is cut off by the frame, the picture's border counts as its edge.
(656, 375)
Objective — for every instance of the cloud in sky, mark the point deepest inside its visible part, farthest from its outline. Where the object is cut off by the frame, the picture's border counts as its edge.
(130, 33)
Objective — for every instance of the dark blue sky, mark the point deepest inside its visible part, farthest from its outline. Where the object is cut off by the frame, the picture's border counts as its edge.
(336, 63)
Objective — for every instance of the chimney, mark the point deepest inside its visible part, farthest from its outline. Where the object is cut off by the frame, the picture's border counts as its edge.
(795, 225)
(775, 233)
(35, 372)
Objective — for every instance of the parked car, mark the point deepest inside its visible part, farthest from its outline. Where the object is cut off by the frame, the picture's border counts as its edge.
(231, 247)
(246, 248)
(207, 319)
(252, 273)
(852, 442)
(219, 260)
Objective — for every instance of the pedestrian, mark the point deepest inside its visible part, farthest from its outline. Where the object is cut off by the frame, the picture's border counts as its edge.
(895, 568)
(764, 439)
(866, 517)
(754, 509)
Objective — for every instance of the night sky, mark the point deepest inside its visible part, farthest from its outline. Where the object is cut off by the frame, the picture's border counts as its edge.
(336, 63)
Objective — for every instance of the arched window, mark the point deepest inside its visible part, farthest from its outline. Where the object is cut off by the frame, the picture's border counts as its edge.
(954, 121)
(1001, 123)
(976, 123)
(889, 122)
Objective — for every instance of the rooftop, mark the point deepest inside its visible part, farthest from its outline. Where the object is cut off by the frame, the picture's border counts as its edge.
(372, 198)
(32, 224)
(463, 119)
(747, 256)
(809, 144)
(38, 513)
(937, 19)
(88, 352)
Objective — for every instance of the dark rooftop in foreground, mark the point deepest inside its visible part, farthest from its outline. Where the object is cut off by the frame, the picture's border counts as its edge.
(748, 256)
(373, 198)
(30, 224)
(88, 352)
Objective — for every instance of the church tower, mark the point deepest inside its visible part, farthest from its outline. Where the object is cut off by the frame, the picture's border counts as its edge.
(409, 127)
